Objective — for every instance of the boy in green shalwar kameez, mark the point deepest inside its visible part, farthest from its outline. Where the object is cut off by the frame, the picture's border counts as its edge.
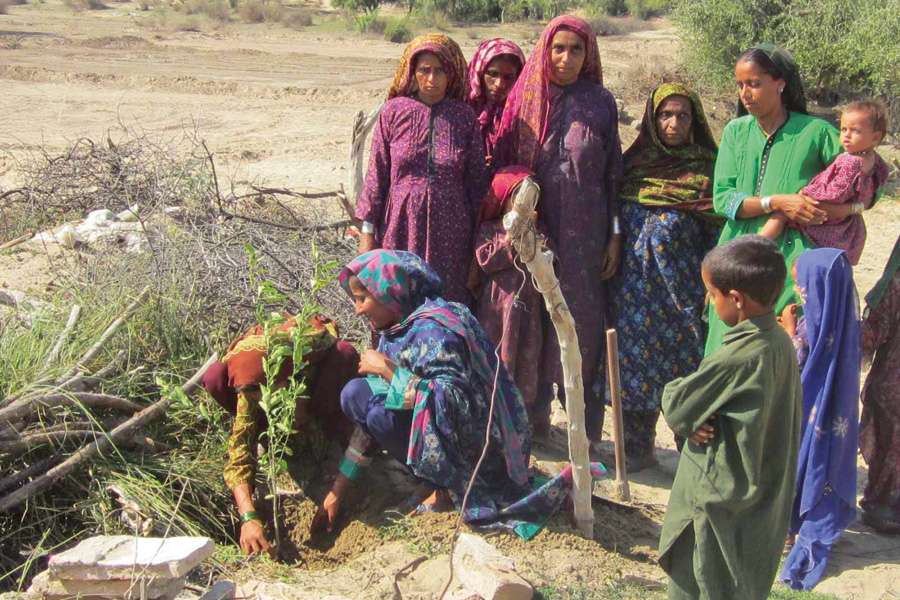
(728, 513)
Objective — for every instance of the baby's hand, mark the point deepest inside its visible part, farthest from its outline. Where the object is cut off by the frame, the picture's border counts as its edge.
(705, 433)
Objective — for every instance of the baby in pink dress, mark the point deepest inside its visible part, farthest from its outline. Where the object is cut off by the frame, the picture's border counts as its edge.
(851, 182)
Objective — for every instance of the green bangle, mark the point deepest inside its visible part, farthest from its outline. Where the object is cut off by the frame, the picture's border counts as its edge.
(250, 515)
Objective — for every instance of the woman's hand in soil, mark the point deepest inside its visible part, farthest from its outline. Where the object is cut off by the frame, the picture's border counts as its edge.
(253, 538)
(799, 209)
(704, 434)
(327, 514)
(373, 362)
(611, 257)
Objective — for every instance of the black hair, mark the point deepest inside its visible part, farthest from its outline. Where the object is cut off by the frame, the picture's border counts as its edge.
(759, 58)
(750, 264)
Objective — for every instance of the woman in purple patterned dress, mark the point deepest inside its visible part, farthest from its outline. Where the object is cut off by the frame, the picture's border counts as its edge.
(561, 122)
(427, 173)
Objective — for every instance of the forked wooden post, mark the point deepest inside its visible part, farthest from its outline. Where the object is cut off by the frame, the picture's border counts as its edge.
(362, 125)
(519, 225)
(615, 389)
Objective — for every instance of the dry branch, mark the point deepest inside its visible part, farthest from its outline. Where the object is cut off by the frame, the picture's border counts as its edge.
(21, 446)
(94, 350)
(63, 336)
(519, 224)
(27, 407)
(15, 479)
(87, 453)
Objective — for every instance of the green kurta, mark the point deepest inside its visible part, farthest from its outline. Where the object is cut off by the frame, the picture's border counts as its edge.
(730, 505)
(798, 151)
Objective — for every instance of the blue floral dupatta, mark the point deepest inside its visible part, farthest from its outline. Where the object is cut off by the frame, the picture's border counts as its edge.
(826, 473)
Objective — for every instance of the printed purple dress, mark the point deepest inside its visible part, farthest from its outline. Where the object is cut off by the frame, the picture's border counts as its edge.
(426, 179)
(578, 169)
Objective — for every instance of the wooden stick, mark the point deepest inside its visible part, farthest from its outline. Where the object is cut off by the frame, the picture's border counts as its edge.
(63, 336)
(87, 453)
(27, 406)
(94, 350)
(519, 224)
(17, 478)
(362, 125)
(615, 390)
(16, 241)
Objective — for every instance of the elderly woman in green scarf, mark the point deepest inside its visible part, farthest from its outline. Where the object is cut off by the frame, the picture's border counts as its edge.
(766, 156)
(669, 227)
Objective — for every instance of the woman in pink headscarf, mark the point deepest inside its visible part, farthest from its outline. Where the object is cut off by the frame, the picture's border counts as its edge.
(561, 122)
(493, 71)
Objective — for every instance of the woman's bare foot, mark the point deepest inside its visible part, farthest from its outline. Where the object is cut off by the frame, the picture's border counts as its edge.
(439, 501)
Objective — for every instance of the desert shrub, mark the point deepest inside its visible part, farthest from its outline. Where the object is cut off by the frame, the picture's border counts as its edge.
(251, 11)
(297, 18)
(363, 5)
(79, 5)
(611, 8)
(843, 49)
(219, 10)
(604, 25)
(368, 22)
(273, 10)
(398, 31)
(517, 10)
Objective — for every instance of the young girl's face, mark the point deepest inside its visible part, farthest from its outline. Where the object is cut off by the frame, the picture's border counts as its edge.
(379, 316)
(857, 132)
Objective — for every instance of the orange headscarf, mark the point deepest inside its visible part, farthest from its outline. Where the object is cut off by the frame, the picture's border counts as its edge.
(450, 56)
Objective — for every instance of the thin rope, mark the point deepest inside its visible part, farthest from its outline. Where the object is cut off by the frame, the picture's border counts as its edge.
(487, 436)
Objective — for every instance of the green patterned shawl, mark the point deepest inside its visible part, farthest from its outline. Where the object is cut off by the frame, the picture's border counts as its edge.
(678, 177)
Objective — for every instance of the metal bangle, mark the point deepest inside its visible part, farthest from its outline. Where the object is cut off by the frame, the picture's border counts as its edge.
(616, 226)
(250, 515)
(765, 203)
(856, 208)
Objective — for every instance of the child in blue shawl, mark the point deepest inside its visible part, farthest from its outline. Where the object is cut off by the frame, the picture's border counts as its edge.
(827, 339)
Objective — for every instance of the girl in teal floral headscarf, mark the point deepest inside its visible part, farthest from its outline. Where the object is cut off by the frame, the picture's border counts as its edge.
(428, 393)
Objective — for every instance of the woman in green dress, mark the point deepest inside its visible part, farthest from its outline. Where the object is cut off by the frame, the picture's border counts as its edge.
(766, 157)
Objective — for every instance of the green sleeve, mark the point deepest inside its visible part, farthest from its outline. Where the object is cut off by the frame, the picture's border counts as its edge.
(716, 388)
(727, 199)
(830, 147)
(396, 395)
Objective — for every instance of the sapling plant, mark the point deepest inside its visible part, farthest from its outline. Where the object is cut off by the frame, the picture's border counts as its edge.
(283, 364)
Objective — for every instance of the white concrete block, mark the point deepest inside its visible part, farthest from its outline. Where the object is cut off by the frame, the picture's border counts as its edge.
(125, 557)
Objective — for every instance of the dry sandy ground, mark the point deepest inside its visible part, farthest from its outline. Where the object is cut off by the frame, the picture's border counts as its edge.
(277, 105)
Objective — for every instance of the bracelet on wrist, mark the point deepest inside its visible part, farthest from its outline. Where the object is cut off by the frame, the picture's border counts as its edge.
(250, 515)
(616, 226)
(766, 204)
(856, 208)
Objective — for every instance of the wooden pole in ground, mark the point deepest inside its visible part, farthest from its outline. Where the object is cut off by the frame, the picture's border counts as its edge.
(519, 225)
(615, 390)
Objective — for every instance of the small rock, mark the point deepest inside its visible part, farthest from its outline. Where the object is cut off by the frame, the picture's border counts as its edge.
(221, 590)
(50, 588)
(128, 215)
(620, 105)
(100, 217)
(482, 569)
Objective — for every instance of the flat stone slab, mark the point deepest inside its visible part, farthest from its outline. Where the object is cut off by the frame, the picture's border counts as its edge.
(127, 557)
(49, 588)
